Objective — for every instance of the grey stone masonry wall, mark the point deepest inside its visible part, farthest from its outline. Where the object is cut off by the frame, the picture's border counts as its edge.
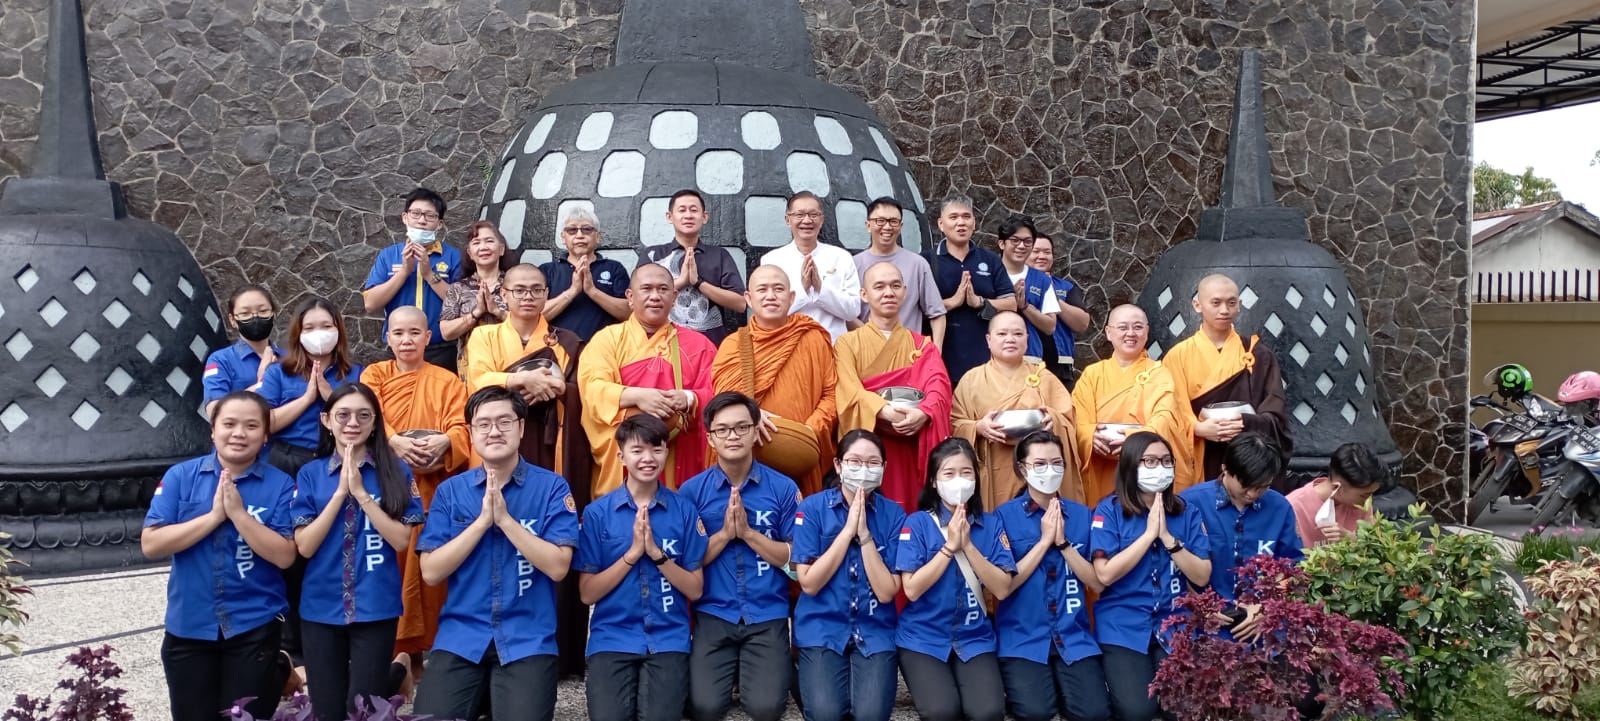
(276, 136)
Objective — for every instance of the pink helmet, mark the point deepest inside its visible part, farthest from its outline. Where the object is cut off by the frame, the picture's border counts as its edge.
(1580, 386)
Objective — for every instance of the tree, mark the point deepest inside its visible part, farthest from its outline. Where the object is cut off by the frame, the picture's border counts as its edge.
(1496, 189)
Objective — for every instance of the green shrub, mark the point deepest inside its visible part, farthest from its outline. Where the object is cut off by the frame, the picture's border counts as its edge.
(1563, 652)
(1556, 544)
(12, 589)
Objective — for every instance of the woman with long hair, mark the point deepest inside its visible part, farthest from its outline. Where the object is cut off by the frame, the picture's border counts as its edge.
(354, 509)
(952, 553)
(474, 295)
(1148, 548)
(299, 385)
(242, 366)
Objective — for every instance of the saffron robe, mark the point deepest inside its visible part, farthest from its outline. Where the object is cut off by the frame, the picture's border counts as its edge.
(429, 398)
(1204, 374)
(791, 372)
(623, 356)
(869, 362)
(993, 387)
(1141, 393)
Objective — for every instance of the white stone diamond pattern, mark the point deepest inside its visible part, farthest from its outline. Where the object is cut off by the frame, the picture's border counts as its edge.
(13, 417)
(119, 381)
(1165, 297)
(1340, 354)
(178, 380)
(148, 347)
(884, 149)
(1304, 413)
(52, 312)
(1293, 296)
(27, 278)
(212, 319)
(1324, 383)
(1154, 350)
(1350, 325)
(86, 415)
(85, 346)
(1350, 296)
(85, 281)
(1247, 297)
(116, 314)
(540, 132)
(185, 287)
(1361, 384)
(152, 414)
(1349, 413)
(1299, 353)
(1176, 326)
(1366, 353)
(18, 345)
(50, 381)
(2, 311)
(198, 348)
(170, 314)
(141, 283)
(1318, 326)
(1273, 324)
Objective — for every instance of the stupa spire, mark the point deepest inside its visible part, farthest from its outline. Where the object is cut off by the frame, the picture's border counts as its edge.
(1248, 207)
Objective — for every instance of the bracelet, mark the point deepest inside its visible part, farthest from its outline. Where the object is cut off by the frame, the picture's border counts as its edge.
(630, 563)
(947, 553)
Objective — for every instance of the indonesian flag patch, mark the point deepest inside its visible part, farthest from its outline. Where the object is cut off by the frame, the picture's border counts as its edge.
(799, 518)
(211, 370)
(905, 533)
(1099, 521)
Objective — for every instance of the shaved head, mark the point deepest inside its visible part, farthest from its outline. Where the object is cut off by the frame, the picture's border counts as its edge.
(408, 334)
(769, 296)
(1215, 283)
(769, 273)
(1127, 312)
(530, 282)
(408, 314)
(651, 271)
(524, 272)
(883, 288)
(882, 270)
(1008, 338)
(1128, 329)
(651, 294)
(1216, 299)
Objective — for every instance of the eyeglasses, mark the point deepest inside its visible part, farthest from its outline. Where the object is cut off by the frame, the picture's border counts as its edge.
(527, 293)
(422, 215)
(504, 425)
(1044, 466)
(856, 465)
(580, 230)
(884, 222)
(343, 418)
(1152, 461)
(1019, 240)
(734, 431)
(804, 215)
(253, 316)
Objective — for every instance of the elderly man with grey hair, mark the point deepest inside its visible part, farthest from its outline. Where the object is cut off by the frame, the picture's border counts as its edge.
(973, 282)
(586, 290)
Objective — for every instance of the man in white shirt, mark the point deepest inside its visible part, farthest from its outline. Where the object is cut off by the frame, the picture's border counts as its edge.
(921, 300)
(823, 276)
(1035, 290)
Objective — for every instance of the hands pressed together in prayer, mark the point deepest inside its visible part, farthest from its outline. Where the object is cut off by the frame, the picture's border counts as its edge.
(644, 540)
(689, 274)
(958, 530)
(493, 512)
(855, 520)
(810, 278)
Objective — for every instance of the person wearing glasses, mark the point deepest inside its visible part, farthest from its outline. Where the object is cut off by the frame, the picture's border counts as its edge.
(1048, 656)
(414, 272)
(354, 509)
(822, 276)
(241, 366)
(1149, 548)
(474, 295)
(502, 535)
(1035, 292)
(587, 291)
(707, 282)
(973, 283)
(741, 624)
(923, 309)
(845, 542)
(1073, 319)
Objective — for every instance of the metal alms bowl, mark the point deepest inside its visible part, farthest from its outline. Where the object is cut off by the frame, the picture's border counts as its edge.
(1123, 428)
(1018, 423)
(902, 396)
(1227, 409)
(533, 364)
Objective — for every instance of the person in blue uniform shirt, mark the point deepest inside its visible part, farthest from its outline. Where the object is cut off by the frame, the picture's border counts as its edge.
(845, 539)
(587, 291)
(1073, 319)
(972, 280)
(502, 535)
(224, 520)
(1149, 547)
(354, 508)
(416, 272)
(298, 386)
(1037, 303)
(1049, 659)
(243, 365)
(1245, 518)
(639, 555)
(742, 620)
(951, 553)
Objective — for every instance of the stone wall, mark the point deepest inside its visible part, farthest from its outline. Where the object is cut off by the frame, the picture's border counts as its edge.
(276, 136)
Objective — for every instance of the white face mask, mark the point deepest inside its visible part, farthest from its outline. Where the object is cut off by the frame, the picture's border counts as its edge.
(1044, 480)
(860, 479)
(1155, 480)
(956, 491)
(420, 236)
(319, 342)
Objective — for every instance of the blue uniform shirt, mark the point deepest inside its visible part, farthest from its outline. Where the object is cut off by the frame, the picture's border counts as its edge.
(231, 369)
(1266, 527)
(1038, 283)
(584, 316)
(845, 611)
(497, 596)
(964, 331)
(354, 576)
(281, 388)
(1130, 611)
(1067, 293)
(645, 613)
(1048, 612)
(949, 616)
(740, 586)
(218, 588)
(446, 262)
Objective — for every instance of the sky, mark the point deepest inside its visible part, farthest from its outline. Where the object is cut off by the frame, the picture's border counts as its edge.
(1557, 143)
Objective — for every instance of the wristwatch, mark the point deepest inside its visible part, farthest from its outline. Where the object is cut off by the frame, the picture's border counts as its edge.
(1176, 546)
(698, 283)
(1062, 546)
(659, 561)
(987, 311)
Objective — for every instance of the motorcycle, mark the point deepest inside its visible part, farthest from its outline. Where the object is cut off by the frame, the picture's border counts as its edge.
(1578, 488)
(1523, 450)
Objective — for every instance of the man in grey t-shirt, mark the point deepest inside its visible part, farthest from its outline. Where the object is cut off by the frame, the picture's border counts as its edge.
(922, 294)
(707, 278)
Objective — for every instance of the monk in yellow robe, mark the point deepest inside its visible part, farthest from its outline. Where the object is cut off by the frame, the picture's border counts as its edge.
(646, 364)
(784, 361)
(884, 354)
(1008, 382)
(1127, 389)
(1214, 366)
(418, 396)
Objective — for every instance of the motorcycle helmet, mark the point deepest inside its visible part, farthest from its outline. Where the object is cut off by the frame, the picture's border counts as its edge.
(1580, 394)
(1510, 380)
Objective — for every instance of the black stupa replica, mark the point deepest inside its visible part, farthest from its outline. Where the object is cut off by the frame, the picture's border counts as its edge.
(105, 323)
(1294, 295)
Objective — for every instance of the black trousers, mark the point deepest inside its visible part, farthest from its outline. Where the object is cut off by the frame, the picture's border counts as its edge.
(952, 689)
(443, 354)
(635, 687)
(523, 690)
(344, 662)
(757, 653)
(205, 678)
(1128, 677)
(290, 458)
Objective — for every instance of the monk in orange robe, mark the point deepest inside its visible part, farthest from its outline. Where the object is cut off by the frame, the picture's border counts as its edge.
(1215, 365)
(419, 396)
(784, 361)
(1008, 382)
(1130, 390)
(646, 364)
(884, 354)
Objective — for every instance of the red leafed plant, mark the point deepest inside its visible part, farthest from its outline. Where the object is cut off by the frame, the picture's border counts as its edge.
(1210, 678)
(89, 698)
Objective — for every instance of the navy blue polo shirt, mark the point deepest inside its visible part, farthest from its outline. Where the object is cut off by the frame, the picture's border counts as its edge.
(354, 576)
(741, 587)
(645, 613)
(845, 611)
(964, 345)
(1048, 611)
(1067, 293)
(218, 588)
(949, 616)
(584, 316)
(1131, 610)
(231, 369)
(497, 596)
(1263, 528)
(446, 262)
(280, 389)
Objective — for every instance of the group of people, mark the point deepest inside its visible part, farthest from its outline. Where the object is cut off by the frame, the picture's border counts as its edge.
(882, 470)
